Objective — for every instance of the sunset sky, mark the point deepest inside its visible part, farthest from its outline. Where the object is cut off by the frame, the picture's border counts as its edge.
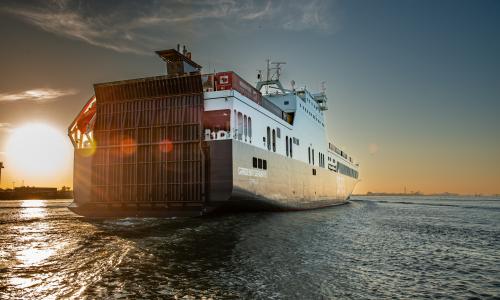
(413, 86)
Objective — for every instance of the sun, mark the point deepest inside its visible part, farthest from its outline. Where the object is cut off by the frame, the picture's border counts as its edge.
(37, 150)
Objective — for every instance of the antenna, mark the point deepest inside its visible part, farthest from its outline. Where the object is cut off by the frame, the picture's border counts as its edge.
(268, 71)
(273, 73)
(277, 67)
(292, 83)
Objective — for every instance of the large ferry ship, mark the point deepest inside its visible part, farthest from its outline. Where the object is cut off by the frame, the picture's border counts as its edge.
(189, 144)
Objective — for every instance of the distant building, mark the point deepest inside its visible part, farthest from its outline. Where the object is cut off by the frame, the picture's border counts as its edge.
(27, 192)
(32, 189)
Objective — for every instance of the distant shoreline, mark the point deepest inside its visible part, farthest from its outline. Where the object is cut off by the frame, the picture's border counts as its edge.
(424, 195)
(10, 195)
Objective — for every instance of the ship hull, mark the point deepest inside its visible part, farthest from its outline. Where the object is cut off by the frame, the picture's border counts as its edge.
(286, 184)
(233, 184)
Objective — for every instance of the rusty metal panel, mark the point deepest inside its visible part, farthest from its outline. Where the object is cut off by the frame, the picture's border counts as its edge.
(148, 134)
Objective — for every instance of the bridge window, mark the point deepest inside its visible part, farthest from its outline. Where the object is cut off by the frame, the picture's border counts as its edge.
(254, 162)
(264, 164)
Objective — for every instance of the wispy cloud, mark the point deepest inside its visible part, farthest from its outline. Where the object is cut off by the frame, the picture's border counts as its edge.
(138, 27)
(313, 16)
(37, 95)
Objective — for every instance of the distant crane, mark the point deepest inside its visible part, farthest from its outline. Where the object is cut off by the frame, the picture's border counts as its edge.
(1, 167)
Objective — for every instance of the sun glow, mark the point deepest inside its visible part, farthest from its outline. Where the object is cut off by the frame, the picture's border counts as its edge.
(38, 150)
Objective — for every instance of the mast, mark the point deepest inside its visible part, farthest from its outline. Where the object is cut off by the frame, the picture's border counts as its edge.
(273, 73)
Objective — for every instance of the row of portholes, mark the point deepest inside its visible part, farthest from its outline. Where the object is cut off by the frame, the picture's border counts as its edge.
(243, 127)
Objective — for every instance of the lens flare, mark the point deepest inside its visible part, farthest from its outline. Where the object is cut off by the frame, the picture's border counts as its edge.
(166, 146)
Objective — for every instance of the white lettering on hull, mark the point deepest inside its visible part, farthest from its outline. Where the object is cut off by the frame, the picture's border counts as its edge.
(251, 172)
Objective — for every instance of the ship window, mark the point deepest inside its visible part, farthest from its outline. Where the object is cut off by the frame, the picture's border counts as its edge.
(268, 138)
(259, 163)
(286, 102)
(245, 126)
(250, 128)
(278, 133)
(291, 152)
(286, 145)
(312, 155)
(235, 126)
(309, 153)
(264, 164)
(314, 172)
(240, 125)
(274, 140)
(254, 162)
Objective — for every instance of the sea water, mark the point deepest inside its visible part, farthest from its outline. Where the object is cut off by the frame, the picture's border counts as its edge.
(370, 248)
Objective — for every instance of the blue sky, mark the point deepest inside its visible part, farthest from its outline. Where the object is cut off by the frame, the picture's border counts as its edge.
(414, 86)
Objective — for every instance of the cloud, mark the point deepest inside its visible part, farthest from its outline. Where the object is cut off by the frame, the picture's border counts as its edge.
(314, 16)
(37, 95)
(138, 27)
(373, 148)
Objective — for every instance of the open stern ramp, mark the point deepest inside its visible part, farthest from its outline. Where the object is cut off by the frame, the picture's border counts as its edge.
(145, 156)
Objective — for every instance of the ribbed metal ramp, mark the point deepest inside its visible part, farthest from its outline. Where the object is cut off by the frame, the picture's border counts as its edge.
(146, 156)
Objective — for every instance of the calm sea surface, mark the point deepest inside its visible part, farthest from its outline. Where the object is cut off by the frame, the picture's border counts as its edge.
(373, 247)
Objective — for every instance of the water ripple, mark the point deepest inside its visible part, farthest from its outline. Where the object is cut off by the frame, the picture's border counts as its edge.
(371, 248)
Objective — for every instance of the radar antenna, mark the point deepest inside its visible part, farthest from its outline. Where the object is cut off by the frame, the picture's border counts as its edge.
(321, 98)
(272, 80)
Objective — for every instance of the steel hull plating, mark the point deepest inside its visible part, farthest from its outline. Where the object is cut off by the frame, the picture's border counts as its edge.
(287, 184)
(233, 184)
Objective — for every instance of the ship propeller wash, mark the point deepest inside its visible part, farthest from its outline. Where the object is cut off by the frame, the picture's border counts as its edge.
(188, 144)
